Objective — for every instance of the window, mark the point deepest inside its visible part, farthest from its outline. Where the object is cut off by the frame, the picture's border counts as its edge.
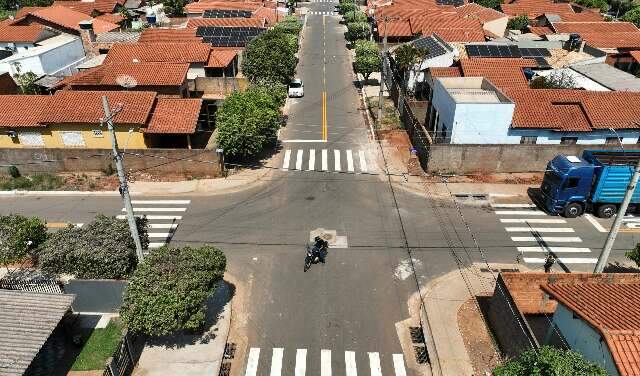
(31, 138)
(612, 141)
(97, 133)
(569, 140)
(571, 183)
(72, 139)
(528, 140)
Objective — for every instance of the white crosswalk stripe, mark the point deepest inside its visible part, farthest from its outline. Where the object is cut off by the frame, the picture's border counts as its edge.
(312, 160)
(323, 13)
(539, 229)
(336, 159)
(564, 260)
(519, 212)
(325, 165)
(554, 249)
(513, 206)
(300, 159)
(531, 220)
(350, 161)
(547, 239)
(162, 222)
(363, 161)
(287, 159)
(374, 365)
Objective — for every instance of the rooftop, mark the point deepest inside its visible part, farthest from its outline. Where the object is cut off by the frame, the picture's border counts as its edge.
(29, 33)
(612, 40)
(472, 90)
(610, 77)
(142, 74)
(174, 116)
(70, 18)
(157, 35)
(474, 10)
(201, 6)
(87, 7)
(555, 11)
(225, 22)
(27, 319)
(118, 37)
(221, 58)
(159, 52)
(25, 110)
(502, 72)
(44, 46)
(594, 27)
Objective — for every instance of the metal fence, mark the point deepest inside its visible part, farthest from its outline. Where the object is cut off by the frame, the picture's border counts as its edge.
(26, 280)
(122, 362)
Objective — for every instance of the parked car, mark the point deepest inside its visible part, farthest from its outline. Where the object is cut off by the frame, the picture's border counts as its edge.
(296, 88)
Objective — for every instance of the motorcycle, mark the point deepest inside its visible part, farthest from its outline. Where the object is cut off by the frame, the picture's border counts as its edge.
(314, 254)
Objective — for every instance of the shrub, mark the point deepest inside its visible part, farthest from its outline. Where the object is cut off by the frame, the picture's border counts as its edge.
(19, 236)
(518, 23)
(290, 25)
(549, 361)
(633, 16)
(343, 8)
(103, 248)
(494, 4)
(168, 290)
(355, 16)
(358, 30)
(13, 172)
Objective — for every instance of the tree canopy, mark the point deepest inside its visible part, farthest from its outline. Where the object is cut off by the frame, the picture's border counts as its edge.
(549, 361)
(494, 4)
(168, 290)
(556, 80)
(407, 55)
(355, 16)
(518, 23)
(603, 5)
(270, 57)
(103, 248)
(358, 30)
(367, 58)
(19, 236)
(290, 24)
(346, 7)
(633, 16)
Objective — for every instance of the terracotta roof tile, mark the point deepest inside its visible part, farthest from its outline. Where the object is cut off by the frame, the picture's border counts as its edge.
(635, 55)
(156, 35)
(70, 19)
(502, 72)
(581, 17)
(87, 7)
(159, 52)
(445, 72)
(537, 8)
(174, 116)
(13, 33)
(221, 58)
(144, 74)
(452, 28)
(22, 110)
(541, 30)
(201, 6)
(460, 35)
(474, 10)
(22, 12)
(594, 27)
(67, 106)
(112, 18)
(269, 15)
(225, 22)
(612, 40)
(401, 28)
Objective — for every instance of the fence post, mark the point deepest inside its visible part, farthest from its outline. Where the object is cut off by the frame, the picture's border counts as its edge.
(109, 368)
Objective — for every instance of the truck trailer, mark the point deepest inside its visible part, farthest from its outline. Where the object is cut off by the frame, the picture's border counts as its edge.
(595, 182)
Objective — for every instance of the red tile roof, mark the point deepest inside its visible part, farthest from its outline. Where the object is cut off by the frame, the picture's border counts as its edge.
(144, 74)
(401, 28)
(612, 40)
(635, 55)
(22, 12)
(474, 10)
(594, 27)
(174, 116)
(22, 110)
(70, 19)
(221, 58)
(613, 310)
(460, 35)
(542, 108)
(7, 84)
(537, 8)
(587, 16)
(67, 106)
(503, 73)
(87, 7)
(13, 33)
(225, 22)
(270, 16)
(156, 35)
(541, 30)
(113, 18)
(159, 52)
(445, 72)
(201, 6)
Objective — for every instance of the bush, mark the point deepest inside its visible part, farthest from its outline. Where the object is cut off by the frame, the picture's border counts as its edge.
(270, 57)
(103, 248)
(168, 290)
(355, 16)
(290, 25)
(634, 255)
(13, 172)
(358, 30)
(633, 16)
(493, 4)
(19, 236)
(549, 361)
(346, 7)
(518, 23)
(35, 182)
(600, 4)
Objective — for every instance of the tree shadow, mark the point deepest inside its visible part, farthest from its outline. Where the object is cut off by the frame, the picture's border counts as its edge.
(616, 267)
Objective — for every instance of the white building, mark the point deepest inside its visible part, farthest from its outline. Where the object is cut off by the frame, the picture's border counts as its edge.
(57, 55)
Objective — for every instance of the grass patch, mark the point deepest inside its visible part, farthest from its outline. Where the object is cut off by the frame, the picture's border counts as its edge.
(390, 119)
(35, 182)
(99, 347)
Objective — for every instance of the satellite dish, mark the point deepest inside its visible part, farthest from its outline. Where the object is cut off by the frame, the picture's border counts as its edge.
(126, 81)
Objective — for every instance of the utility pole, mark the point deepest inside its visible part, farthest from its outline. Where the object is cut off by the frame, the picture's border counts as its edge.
(124, 189)
(611, 238)
(384, 60)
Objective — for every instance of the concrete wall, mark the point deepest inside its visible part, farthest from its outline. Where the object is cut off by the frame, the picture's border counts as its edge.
(197, 162)
(60, 60)
(582, 338)
(463, 159)
(52, 136)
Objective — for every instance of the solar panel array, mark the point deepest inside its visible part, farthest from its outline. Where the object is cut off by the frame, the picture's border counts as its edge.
(228, 36)
(455, 3)
(535, 52)
(226, 13)
(435, 49)
(489, 50)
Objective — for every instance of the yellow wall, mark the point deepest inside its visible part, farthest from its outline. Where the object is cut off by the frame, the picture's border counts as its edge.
(52, 136)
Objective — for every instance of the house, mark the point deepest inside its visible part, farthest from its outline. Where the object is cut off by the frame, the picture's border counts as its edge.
(72, 119)
(194, 23)
(494, 23)
(449, 26)
(546, 11)
(222, 63)
(63, 19)
(612, 37)
(609, 77)
(235, 9)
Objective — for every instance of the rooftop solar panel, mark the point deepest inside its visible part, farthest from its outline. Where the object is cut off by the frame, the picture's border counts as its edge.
(226, 13)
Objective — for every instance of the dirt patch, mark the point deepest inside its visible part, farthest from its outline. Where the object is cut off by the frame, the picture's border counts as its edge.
(505, 178)
(476, 337)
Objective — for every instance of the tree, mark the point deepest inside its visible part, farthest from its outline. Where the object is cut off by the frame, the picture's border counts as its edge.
(358, 30)
(407, 55)
(19, 236)
(620, 7)
(518, 23)
(355, 16)
(247, 122)
(270, 57)
(555, 80)
(290, 25)
(168, 290)
(633, 16)
(600, 4)
(549, 361)
(493, 4)
(103, 248)
(346, 7)
(26, 81)
(634, 255)
(174, 7)
(367, 58)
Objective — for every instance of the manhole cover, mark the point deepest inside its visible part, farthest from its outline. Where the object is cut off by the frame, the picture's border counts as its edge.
(417, 335)
(422, 355)
(225, 369)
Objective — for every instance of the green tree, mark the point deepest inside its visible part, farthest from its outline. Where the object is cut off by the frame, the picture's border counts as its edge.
(174, 7)
(346, 7)
(103, 248)
(600, 4)
(634, 255)
(270, 57)
(407, 55)
(556, 80)
(549, 361)
(26, 81)
(19, 237)
(368, 58)
(290, 25)
(168, 290)
(518, 23)
(493, 4)
(358, 30)
(620, 7)
(247, 122)
(633, 16)
(355, 16)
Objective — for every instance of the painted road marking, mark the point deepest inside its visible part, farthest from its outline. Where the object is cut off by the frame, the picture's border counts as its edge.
(513, 206)
(154, 217)
(363, 161)
(159, 234)
(336, 157)
(252, 363)
(301, 141)
(156, 245)
(595, 223)
(349, 161)
(539, 229)
(350, 363)
(325, 362)
(552, 239)
(554, 249)
(137, 209)
(287, 157)
(325, 165)
(301, 362)
(398, 365)
(276, 361)
(312, 159)
(160, 202)
(299, 159)
(519, 212)
(163, 225)
(374, 364)
(564, 260)
(531, 220)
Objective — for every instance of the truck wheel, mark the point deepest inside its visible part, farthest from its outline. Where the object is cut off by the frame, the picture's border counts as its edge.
(607, 210)
(573, 210)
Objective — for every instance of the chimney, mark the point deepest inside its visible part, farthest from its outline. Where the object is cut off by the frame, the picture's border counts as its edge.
(88, 38)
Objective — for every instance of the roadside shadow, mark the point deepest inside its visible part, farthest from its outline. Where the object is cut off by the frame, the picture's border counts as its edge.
(616, 267)
(535, 194)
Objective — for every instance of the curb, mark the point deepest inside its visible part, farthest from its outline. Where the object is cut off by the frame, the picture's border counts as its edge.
(59, 193)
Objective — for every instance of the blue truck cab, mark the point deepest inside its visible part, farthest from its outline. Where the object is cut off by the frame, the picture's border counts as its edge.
(595, 182)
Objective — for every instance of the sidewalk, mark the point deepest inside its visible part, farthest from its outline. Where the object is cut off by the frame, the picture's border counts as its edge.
(186, 354)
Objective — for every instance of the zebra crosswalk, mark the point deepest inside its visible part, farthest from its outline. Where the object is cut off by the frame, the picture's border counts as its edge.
(320, 160)
(323, 13)
(534, 240)
(163, 216)
(258, 363)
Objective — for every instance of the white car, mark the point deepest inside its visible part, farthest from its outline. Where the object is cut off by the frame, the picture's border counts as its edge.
(296, 88)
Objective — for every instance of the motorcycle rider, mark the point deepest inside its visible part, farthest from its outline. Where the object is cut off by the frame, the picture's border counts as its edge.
(319, 248)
